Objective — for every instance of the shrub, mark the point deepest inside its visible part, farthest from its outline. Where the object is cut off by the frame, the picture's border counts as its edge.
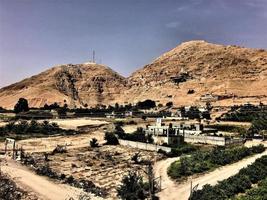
(207, 160)
(169, 104)
(236, 184)
(21, 106)
(111, 139)
(132, 187)
(94, 143)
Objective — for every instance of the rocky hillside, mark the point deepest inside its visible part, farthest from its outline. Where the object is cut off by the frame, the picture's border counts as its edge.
(76, 84)
(227, 75)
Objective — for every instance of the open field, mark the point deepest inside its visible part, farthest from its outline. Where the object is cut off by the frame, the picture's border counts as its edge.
(46, 144)
(105, 165)
(74, 123)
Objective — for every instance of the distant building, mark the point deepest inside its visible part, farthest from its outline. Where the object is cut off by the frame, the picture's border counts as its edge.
(192, 133)
(208, 98)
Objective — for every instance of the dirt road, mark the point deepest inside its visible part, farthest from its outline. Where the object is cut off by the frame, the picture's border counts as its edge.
(175, 191)
(39, 185)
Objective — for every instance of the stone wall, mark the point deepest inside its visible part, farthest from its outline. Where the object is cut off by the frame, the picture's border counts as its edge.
(144, 146)
(220, 141)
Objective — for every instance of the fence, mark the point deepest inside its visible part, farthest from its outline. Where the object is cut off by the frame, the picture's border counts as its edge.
(214, 140)
(144, 146)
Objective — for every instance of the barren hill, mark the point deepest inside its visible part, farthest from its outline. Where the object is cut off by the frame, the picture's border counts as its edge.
(76, 84)
(228, 74)
(232, 74)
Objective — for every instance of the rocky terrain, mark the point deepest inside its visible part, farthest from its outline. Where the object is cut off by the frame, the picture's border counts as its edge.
(77, 85)
(233, 73)
(227, 75)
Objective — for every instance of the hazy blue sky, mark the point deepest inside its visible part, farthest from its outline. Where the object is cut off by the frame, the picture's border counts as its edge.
(126, 34)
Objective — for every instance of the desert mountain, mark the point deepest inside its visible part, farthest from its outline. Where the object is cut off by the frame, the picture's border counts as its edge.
(228, 74)
(76, 84)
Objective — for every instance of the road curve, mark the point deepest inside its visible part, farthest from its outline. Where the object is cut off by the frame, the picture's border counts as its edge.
(175, 191)
(40, 185)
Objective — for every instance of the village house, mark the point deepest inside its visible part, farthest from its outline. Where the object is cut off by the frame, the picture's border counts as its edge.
(174, 134)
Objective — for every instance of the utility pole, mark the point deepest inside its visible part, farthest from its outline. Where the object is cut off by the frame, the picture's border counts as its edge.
(93, 56)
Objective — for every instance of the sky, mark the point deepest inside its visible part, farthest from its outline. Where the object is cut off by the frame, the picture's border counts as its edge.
(125, 34)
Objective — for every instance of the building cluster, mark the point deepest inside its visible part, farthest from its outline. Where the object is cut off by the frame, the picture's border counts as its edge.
(174, 134)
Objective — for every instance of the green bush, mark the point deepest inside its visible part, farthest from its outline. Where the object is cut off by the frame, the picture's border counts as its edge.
(111, 139)
(202, 161)
(33, 127)
(94, 143)
(132, 187)
(237, 184)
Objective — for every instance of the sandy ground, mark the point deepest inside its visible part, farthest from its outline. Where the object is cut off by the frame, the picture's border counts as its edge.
(132, 128)
(49, 143)
(175, 191)
(3, 124)
(39, 185)
(74, 123)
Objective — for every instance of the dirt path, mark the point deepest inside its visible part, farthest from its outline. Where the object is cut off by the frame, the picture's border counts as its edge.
(39, 185)
(174, 191)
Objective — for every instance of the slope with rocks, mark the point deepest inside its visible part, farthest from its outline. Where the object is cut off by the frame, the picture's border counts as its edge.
(183, 75)
(79, 84)
(229, 71)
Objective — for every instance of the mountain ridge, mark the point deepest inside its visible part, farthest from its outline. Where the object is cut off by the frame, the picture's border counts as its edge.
(238, 73)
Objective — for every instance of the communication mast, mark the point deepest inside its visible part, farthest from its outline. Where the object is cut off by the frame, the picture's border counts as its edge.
(93, 56)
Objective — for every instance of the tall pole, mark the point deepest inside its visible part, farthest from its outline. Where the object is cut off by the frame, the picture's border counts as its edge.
(93, 56)
(14, 147)
(5, 146)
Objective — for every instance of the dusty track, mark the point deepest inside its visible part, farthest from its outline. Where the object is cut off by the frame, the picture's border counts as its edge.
(39, 185)
(175, 191)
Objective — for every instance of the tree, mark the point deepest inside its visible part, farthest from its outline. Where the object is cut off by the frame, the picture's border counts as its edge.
(111, 138)
(147, 104)
(117, 106)
(21, 106)
(94, 143)
(144, 117)
(169, 104)
(160, 105)
(132, 187)
(119, 131)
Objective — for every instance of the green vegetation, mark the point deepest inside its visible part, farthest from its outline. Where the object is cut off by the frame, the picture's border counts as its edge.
(194, 113)
(179, 150)
(111, 139)
(94, 143)
(203, 161)
(237, 184)
(245, 113)
(132, 187)
(147, 104)
(169, 104)
(184, 148)
(259, 126)
(241, 130)
(9, 189)
(21, 106)
(257, 193)
(139, 135)
(31, 128)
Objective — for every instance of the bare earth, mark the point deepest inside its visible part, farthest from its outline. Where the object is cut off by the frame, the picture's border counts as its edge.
(41, 186)
(175, 191)
(74, 123)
